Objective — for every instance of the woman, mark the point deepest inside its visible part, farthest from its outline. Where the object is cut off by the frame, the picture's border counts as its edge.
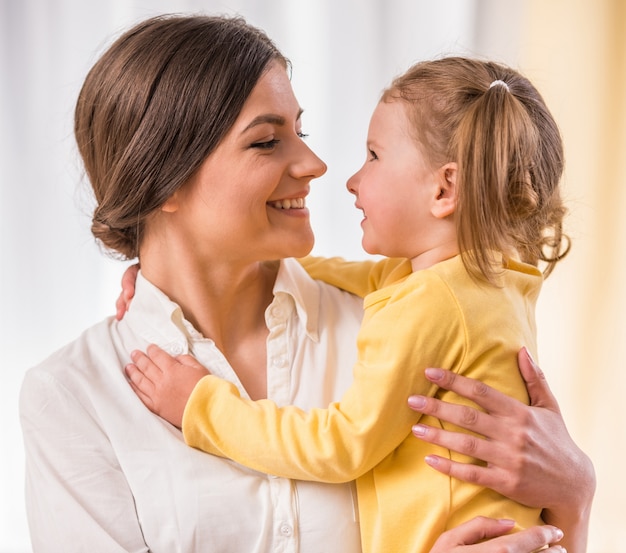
(191, 138)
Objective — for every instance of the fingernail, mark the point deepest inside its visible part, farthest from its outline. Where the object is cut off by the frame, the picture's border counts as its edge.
(506, 522)
(528, 355)
(559, 534)
(434, 374)
(432, 460)
(417, 402)
(419, 430)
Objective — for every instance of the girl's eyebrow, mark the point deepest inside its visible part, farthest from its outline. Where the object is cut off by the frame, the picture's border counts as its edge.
(270, 118)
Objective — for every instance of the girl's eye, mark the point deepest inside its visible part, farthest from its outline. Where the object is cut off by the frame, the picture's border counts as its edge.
(373, 155)
(266, 145)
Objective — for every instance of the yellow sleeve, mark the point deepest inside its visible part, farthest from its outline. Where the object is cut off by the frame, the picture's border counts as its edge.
(357, 277)
(338, 444)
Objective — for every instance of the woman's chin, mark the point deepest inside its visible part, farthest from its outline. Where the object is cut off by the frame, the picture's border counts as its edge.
(294, 246)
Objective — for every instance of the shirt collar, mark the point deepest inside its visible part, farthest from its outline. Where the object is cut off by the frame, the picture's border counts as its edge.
(159, 320)
(293, 280)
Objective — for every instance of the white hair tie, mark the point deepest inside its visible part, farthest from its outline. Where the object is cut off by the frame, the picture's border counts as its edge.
(499, 82)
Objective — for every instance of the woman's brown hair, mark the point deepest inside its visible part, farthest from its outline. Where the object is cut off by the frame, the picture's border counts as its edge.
(495, 125)
(154, 106)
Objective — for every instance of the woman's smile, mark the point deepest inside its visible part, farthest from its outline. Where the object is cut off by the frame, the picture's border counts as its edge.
(288, 203)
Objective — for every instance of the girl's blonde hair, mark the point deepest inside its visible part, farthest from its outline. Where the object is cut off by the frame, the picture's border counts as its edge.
(495, 125)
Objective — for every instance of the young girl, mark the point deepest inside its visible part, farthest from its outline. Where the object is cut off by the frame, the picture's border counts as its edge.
(460, 190)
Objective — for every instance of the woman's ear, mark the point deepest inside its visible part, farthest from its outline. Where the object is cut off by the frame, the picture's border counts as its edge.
(445, 202)
(171, 204)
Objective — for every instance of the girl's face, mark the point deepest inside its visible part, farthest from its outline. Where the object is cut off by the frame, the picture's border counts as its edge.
(247, 200)
(395, 187)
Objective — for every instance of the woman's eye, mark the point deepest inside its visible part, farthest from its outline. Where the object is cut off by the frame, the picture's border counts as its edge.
(265, 145)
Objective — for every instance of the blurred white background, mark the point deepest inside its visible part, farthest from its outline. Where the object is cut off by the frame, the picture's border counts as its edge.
(54, 282)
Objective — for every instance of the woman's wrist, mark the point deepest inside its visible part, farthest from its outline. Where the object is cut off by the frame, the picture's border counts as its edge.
(571, 513)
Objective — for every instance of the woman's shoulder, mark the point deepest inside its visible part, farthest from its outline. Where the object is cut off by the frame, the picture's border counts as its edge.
(79, 360)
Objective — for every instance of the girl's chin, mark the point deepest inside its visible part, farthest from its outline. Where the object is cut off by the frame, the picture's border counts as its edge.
(370, 248)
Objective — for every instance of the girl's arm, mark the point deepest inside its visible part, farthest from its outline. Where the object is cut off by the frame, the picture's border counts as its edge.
(357, 277)
(336, 444)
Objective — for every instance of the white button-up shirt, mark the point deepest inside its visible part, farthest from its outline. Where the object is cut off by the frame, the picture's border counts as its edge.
(104, 474)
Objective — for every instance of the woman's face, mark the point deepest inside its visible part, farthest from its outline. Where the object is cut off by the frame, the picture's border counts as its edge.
(395, 187)
(247, 200)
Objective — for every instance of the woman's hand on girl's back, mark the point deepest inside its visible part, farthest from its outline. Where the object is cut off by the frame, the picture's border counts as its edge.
(469, 538)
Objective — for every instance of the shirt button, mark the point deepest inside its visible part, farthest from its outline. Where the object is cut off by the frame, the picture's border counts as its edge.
(176, 349)
(286, 530)
(280, 362)
(277, 312)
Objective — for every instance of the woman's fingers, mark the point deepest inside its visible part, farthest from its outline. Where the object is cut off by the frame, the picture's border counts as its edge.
(471, 532)
(536, 383)
(488, 398)
(460, 415)
(531, 539)
(486, 535)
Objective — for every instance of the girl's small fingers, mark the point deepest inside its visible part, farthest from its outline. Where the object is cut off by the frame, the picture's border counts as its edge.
(145, 399)
(145, 363)
(138, 378)
(160, 358)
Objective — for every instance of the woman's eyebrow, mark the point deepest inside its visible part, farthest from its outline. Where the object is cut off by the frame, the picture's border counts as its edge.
(270, 118)
(266, 118)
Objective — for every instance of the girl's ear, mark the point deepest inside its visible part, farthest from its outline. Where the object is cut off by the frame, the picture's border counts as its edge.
(445, 202)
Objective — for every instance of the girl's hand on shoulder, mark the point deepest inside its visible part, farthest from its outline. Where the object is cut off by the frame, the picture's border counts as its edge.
(128, 291)
(470, 538)
(164, 383)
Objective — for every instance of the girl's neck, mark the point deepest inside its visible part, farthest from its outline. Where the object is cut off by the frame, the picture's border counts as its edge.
(434, 255)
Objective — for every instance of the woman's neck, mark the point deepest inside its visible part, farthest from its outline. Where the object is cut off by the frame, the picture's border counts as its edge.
(226, 303)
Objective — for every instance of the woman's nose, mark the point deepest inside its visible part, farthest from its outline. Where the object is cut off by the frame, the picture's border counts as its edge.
(308, 165)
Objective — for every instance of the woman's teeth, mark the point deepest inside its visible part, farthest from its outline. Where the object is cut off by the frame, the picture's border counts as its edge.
(295, 203)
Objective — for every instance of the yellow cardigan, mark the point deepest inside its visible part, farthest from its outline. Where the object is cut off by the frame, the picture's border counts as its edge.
(437, 317)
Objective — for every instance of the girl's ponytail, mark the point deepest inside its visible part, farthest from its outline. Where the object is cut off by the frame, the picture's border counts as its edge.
(493, 123)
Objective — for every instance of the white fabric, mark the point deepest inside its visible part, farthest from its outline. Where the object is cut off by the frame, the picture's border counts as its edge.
(105, 474)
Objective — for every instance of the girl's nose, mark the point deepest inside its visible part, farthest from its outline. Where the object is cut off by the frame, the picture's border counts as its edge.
(353, 183)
